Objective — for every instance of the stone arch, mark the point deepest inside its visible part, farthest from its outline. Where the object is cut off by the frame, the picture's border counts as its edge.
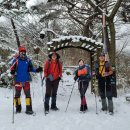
(82, 42)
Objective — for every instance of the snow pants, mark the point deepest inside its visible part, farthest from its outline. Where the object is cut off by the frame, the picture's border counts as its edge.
(17, 101)
(105, 91)
(51, 91)
(82, 86)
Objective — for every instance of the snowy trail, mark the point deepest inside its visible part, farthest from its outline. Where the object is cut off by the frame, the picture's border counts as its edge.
(61, 120)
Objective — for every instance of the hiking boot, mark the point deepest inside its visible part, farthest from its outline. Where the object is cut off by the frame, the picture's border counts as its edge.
(29, 106)
(111, 112)
(83, 108)
(46, 111)
(104, 109)
(55, 108)
(29, 112)
(18, 109)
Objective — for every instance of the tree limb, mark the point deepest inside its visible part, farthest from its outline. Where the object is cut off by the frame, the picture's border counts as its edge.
(115, 9)
(78, 21)
(95, 6)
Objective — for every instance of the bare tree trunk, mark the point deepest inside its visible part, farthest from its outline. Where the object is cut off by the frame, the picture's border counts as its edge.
(112, 50)
(107, 39)
(86, 31)
(111, 26)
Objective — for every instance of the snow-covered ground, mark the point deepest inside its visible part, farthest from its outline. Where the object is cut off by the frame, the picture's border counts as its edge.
(61, 120)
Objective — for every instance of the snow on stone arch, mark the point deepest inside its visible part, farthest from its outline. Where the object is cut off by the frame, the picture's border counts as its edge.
(74, 38)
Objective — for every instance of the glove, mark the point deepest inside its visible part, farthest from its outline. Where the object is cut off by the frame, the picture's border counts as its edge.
(75, 78)
(12, 72)
(59, 78)
(39, 69)
(106, 74)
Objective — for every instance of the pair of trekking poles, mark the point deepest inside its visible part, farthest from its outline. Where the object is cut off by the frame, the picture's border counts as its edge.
(70, 96)
(83, 90)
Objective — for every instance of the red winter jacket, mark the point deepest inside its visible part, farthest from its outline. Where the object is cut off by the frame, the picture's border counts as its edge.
(54, 68)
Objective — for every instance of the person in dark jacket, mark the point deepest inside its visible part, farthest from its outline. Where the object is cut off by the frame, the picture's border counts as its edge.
(20, 68)
(103, 74)
(82, 74)
(52, 74)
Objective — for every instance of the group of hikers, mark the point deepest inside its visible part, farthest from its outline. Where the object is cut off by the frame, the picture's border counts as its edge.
(22, 66)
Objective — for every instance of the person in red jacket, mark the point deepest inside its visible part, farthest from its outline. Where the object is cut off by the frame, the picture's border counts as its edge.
(52, 74)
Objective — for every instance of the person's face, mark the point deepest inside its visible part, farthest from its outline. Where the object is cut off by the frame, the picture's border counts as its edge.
(22, 54)
(54, 56)
(102, 58)
(81, 63)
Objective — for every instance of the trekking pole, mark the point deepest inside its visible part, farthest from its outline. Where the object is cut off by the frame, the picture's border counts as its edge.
(42, 83)
(33, 90)
(42, 79)
(13, 106)
(95, 95)
(105, 91)
(62, 82)
(42, 87)
(96, 102)
(83, 92)
(70, 97)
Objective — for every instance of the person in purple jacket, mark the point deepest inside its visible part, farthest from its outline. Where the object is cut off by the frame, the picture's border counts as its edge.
(20, 68)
